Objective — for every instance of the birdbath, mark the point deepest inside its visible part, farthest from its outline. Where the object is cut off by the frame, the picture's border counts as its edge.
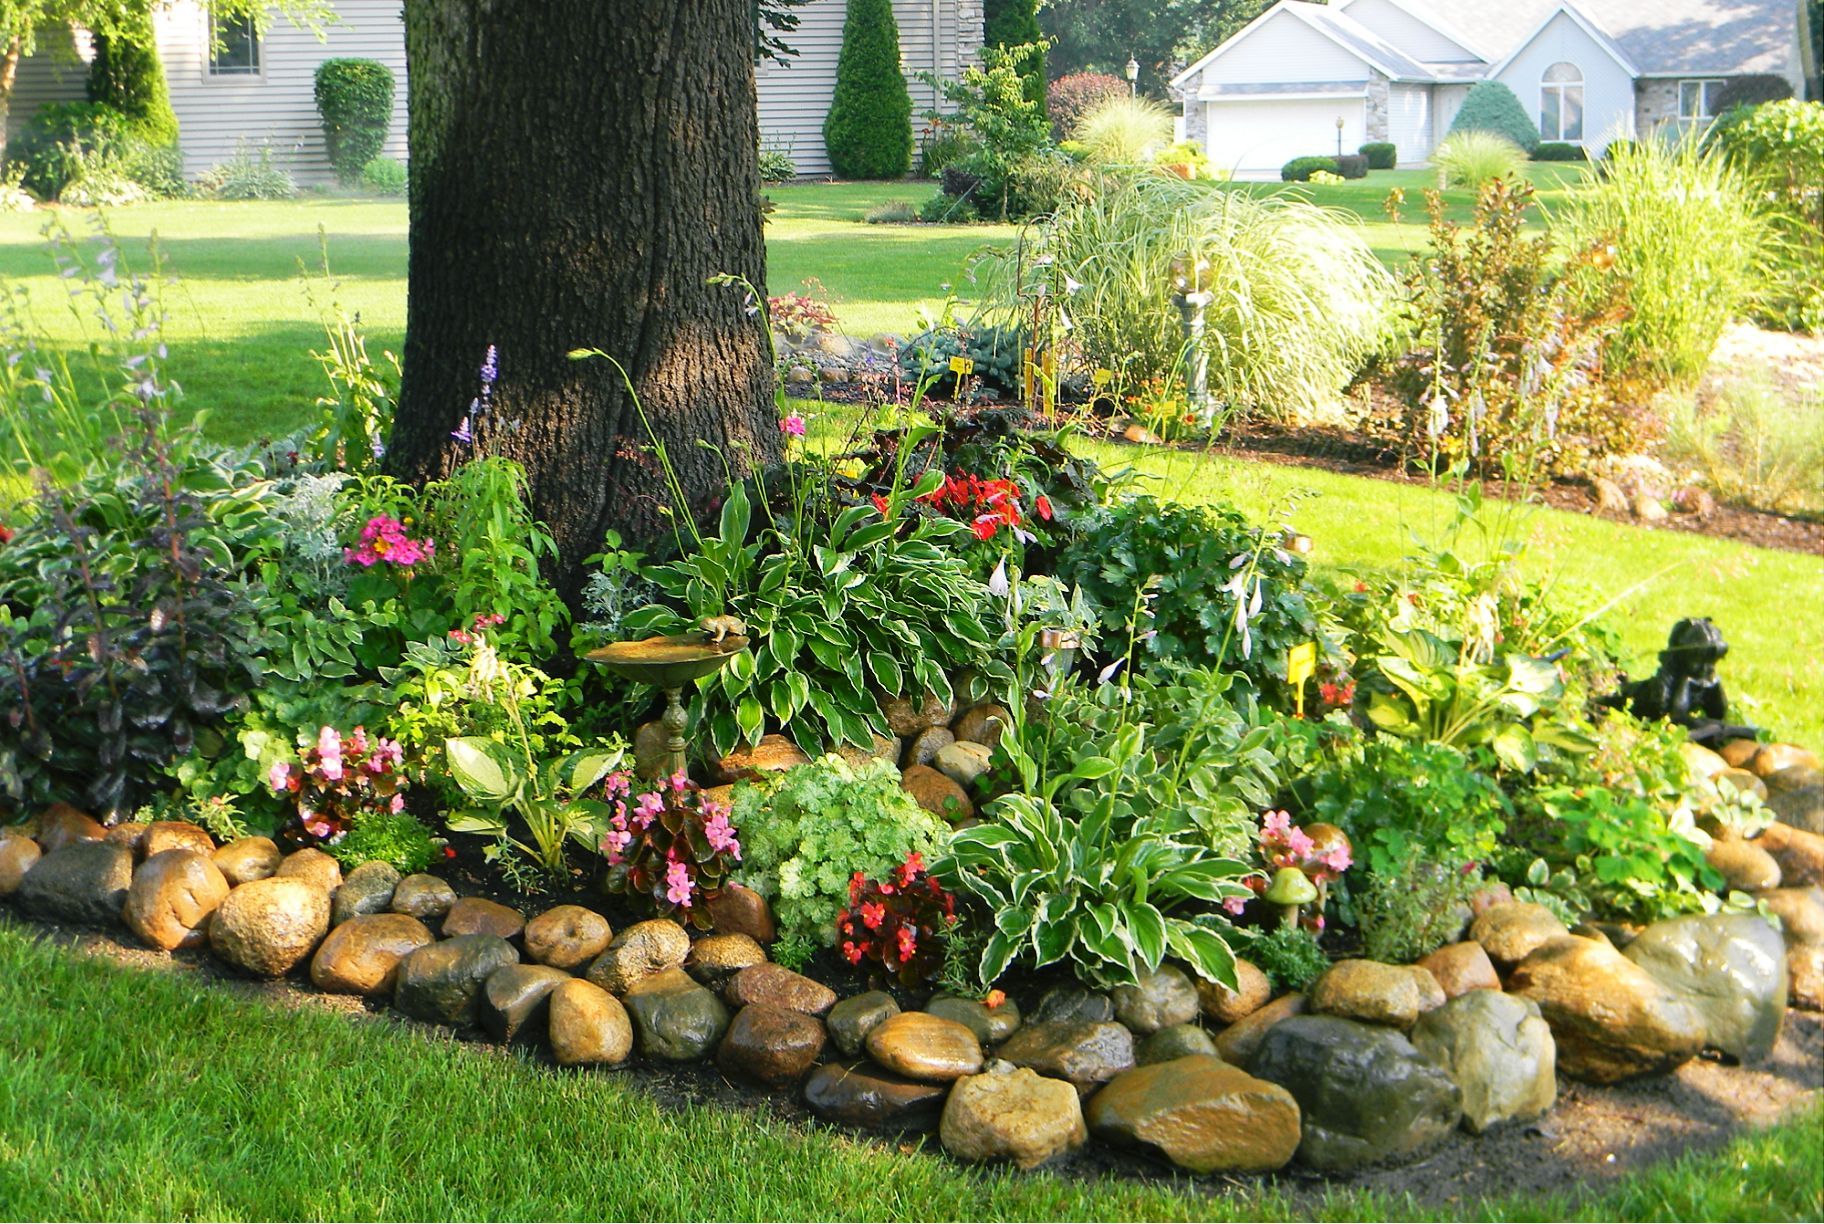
(669, 663)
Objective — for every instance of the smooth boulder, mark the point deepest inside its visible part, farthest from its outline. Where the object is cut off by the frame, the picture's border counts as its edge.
(83, 881)
(368, 889)
(17, 856)
(312, 866)
(1459, 968)
(851, 1020)
(515, 999)
(771, 1045)
(1085, 1054)
(1241, 1041)
(567, 937)
(587, 1026)
(424, 897)
(268, 926)
(676, 1019)
(921, 1046)
(1512, 930)
(868, 1096)
(1019, 1116)
(1159, 999)
(1225, 1006)
(1201, 1114)
(480, 916)
(1498, 1050)
(442, 982)
(638, 952)
(777, 986)
(1730, 967)
(1611, 1019)
(173, 895)
(1394, 995)
(361, 957)
(247, 859)
(990, 1025)
(714, 959)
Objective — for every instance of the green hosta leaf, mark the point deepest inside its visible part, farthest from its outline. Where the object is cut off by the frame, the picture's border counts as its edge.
(482, 768)
(886, 672)
(1391, 714)
(1203, 950)
(735, 516)
(750, 718)
(585, 769)
(1513, 744)
(470, 820)
(1146, 927)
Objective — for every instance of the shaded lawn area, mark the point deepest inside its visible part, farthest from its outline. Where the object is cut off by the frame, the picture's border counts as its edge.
(137, 1094)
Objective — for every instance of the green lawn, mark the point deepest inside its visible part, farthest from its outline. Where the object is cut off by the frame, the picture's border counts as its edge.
(135, 1094)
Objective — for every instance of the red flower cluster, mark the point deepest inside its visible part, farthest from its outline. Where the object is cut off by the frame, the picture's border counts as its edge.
(895, 922)
(1338, 696)
(989, 505)
(6, 534)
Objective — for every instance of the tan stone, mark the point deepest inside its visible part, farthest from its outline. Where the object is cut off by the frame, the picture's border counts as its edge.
(1238, 1043)
(17, 854)
(640, 951)
(1201, 1113)
(172, 896)
(1739, 753)
(480, 916)
(1700, 761)
(925, 1047)
(1772, 758)
(1018, 1116)
(982, 724)
(773, 754)
(714, 959)
(1511, 931)
(567, 937)
(424, 897)
(162, 835)
(907, 717)
(777, 986)
(937, 794)
(1805, 976)
(247, 859)
(312, 866)
(61, 825)
(1799, 854)
(738, 910)
(1743, 864)
(923, 748)
(1253, 991)
(1800, 911)
(1394, 995)
(1610, 1018)
(132, 835)
(362, 955)
(588, 1026)
(1462, 967)
(268, 926)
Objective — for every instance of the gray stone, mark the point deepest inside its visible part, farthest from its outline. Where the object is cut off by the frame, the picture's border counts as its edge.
(1366, 1095)
(1158, 1000)
(1796, 795)
(851, 1020)
(81, 881)
(675, 1019)
(442, 982)
(424, 897)
(989, 1024)
(1085, 1054)
(924, 747)
(1499, 1052)
(1072, 1003)
(1020, 1116)
(368, 889)
(516, 999)
(864, 1095)
(963, 762)
(1178, 1041)
(1730, 967)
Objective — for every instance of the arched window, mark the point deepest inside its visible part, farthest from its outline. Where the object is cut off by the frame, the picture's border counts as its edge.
(1561, 103)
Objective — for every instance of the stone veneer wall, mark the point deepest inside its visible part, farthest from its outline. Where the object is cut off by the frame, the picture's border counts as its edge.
(1375, 120)
(1655, 103)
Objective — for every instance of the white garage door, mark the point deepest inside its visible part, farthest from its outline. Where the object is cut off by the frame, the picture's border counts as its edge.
(1258, 135)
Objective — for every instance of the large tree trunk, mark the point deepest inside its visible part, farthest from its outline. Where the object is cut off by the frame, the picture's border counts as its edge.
(9, 75)
(580, 169)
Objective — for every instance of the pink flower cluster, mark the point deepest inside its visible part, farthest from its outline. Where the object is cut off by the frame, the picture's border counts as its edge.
(672, 843)
(1284, 844)
(384, 539)
(484, 621)
(337, 779)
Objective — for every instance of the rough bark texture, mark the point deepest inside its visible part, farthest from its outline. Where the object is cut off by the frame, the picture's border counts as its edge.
(580, 169)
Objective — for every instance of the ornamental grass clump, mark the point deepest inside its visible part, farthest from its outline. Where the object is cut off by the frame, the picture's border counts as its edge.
(1472, 158)
(1124, 131)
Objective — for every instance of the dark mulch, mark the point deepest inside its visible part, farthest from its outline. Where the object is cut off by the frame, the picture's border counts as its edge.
(1592, 1137)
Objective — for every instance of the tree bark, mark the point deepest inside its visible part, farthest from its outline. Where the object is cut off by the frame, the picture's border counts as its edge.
(580, 169)
(9, 75)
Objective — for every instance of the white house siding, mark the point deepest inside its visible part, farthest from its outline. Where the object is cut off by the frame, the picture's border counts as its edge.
(1409, 122)
(1416, 38)
(940, 36)
(56, 72)
(1608, 90)
(1446, 101)
(277, 107)
(1281, 49)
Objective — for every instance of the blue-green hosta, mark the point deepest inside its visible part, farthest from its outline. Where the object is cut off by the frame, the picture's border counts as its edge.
(1110, 891)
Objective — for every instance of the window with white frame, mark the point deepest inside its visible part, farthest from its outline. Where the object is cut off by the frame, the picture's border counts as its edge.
(1697, 100)
(234, 45)
(1561, 103)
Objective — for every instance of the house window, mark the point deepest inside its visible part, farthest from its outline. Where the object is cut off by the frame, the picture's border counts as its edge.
(234, 45)
(1561, 103)
(1697, 100)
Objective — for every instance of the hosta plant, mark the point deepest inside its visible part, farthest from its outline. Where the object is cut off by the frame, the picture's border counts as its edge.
(899, 922)
(672, 850)
(552, 799)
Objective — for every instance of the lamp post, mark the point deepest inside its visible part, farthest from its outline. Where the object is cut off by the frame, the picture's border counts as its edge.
(1133, 76)
(1339, 135)
(1191, 294)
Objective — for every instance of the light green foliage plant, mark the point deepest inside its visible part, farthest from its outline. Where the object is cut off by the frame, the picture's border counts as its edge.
(490, 549)
(1124, 131)
(1414, 908)
(250, 174)
(805, 836)
(1779, 147)
(1403, 802)
(1753, 445)
(553, 799)
(1632, 859)
(385, 175)
(1472, 158)
(991, 103)
(1291, 957)
(398, 838)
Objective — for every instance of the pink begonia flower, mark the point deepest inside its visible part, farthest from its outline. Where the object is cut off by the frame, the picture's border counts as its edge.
(1299, 843)
(279, 776)
(329, 742)
(792, 426)
(398, 803)
(647, 809)
(677, 885)
(1235, 905)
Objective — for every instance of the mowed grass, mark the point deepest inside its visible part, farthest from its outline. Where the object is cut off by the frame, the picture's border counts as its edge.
(139, 1094)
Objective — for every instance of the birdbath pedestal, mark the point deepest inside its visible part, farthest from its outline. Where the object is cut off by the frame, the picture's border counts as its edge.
(668, 664)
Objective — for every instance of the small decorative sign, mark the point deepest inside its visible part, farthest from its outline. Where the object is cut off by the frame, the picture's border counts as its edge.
(1301, 665)
(962, 366)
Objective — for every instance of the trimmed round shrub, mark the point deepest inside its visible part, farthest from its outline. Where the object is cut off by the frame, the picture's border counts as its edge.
(1559, 151)
(355, 102)
(1071, 97)
(1381, 154)
(1492, 107)
(1300, 169)
(1752, 91)
(868, 132)
(1352, 166)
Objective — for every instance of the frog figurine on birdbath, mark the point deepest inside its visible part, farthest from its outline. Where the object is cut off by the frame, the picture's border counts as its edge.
(669, 663)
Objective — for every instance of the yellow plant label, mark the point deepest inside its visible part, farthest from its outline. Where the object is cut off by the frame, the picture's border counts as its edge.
(962, 366)
(1301, 665)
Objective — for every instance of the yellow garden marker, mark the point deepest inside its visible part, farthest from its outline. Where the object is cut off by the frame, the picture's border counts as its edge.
(962, 367)
(1301, 665)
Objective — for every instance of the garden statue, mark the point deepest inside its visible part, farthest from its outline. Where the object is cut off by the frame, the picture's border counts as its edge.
(724, 633)
(668, 664)
(1685, 689)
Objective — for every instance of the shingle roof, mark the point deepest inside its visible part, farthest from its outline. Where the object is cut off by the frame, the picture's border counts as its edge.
(1672, 37)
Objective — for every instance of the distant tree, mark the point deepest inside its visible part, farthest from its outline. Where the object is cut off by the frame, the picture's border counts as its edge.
(773, 21)
(1014, 23)
(1162, 35)
(868, 131)
(125, 72)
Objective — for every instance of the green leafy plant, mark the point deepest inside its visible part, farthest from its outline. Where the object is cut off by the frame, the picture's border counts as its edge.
(776, 166)
(250, 174)
(1006, 126)
(1779, 148)
(1415, 906)
(1492, 107)
(1631, 858)
(355, 101)
(397, 838)
(491, 551)
(1300, 169)
(1291, 957)
(805, 835)
(1473, 158)
(1381, 154)
(1406, 801)
(672, 851)
(1559, 151)
(551, 798)
(868, 129)
(385, 176)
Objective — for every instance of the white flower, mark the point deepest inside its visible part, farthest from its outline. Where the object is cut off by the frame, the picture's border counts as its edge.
(1439, 419)
(997, 581)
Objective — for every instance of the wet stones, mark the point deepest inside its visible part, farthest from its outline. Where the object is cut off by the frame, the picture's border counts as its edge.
(267, 927)
(851, 1020)
(1083, 1053)
(172, 896)
(1610, 1018)
(642, 950)
(1730, 967)
(771, 1045)
(362, 955)
(675, 1019)
(867, 1096)
(1018, 1116)
(1201, 1114)
(1499, 1052)
(921, 1046)
(567, 937)
(587, 1026)
(479, 916)
(368, 889)
(442, 982)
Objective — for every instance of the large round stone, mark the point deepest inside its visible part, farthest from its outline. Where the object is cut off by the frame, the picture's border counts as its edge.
(982, 724)
(362, 955)
(714, 959)
(17, 856)
(1224, 1006)
(640, 951)
(906, 716)
(1743, 864)
(480, 916)
(312, 866)
(424, 897)
(937, 793)
(1611, 1018)
(61, 825)
(676, 1019)
(368, 889)
(774, 754)
(851, 1020)
(1499, 1052)
(963, 763)
(771, 1045)
(921, 1046)
(1018, 1115)
(777, 986)
(171, 898)
(1158, 1000)
(247, 859)
(515, 998)
(738, 910)
(1730, 967)
(1774, 759)
(864, 1095)
(923, 748)
(1085, 1054)
(1201, 1114)
(163, 835)
(1365, 1094)
(567, 937)
(1171, 1044)
(588, 1026)
(1459, 968)
(1394, 995)
(81, 881)
(1509, 932)
(1239, 1042)
(1796, 795)
(442, 982)
(267, 926)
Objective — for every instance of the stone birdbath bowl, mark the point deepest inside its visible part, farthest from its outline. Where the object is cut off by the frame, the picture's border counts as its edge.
(668, 664)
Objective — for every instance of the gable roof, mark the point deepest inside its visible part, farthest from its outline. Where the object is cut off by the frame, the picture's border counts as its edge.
(1440, 21)
(1571, 13)
(1332, 24)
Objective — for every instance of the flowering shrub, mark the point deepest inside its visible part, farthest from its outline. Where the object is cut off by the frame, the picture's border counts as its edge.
(898, 921)
(986, 505)
(384, 539)
(337, 780)
(675, 846)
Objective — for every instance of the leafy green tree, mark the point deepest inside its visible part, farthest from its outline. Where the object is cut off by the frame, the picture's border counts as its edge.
(1015, 23)
(1491, 106)
(868, 131)
(126, 73)
(355, 102)
(1162, 35)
